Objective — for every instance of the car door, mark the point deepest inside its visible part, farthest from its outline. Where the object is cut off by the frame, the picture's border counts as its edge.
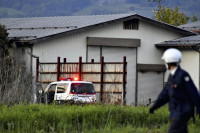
(61, 92)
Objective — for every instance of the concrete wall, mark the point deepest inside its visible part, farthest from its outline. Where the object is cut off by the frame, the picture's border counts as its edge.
(21, 55)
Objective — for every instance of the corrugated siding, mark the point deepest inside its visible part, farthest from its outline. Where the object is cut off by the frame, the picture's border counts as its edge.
(47, 77)
(69, 67)
(48, 67)
(91, 67)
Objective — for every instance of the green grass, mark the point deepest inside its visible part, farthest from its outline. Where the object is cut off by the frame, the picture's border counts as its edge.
(39, 118)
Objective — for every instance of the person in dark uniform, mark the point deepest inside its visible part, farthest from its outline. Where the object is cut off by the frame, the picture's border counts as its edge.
(180, 92)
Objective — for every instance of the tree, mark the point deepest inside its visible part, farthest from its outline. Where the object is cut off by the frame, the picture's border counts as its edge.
(15, 82)
(194, 19)
(170, 16)
(3, 41)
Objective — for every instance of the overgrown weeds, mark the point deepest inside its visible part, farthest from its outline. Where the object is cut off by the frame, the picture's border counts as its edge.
(89, 118)
(15, 82)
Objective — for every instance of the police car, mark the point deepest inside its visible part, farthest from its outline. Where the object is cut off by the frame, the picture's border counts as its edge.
(69, 90)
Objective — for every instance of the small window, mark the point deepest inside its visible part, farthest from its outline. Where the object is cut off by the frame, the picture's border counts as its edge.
(131, 24)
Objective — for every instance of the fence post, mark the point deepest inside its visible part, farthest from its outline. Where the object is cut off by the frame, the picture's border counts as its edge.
(124, 80)
(64, 60)
(80, 67)
(101, 79)
(37, 70)
(58, 68)
(64, 65)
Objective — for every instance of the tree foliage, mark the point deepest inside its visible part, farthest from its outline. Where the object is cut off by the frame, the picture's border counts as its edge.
(194, 18)
(170, 16)
(3, 41)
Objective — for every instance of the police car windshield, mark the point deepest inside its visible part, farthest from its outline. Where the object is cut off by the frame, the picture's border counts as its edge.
(80, 88)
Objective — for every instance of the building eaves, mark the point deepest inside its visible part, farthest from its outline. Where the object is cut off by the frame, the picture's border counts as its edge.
(193, 26)
(186, 42)
(165, 25)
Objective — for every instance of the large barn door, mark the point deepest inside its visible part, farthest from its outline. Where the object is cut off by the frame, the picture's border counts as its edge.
(150, 83)
(115, 54)
(114, 49)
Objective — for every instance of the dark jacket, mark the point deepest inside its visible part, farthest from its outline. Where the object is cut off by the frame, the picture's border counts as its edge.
(181, 94)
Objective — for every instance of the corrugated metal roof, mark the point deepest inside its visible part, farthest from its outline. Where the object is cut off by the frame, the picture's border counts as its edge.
(38, 27)
(191, 26)
(182, 42)
(44, 27)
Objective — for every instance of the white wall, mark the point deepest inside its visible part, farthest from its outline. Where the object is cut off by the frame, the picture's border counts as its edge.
(150, 35)
(190, 62)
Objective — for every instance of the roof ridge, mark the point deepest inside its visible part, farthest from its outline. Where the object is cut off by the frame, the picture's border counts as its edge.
(71, 16)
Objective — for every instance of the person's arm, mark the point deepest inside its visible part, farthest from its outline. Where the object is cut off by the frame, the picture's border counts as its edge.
(192, 91)
(162, 99)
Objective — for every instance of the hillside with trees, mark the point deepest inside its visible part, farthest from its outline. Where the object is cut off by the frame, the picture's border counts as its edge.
(38, 8)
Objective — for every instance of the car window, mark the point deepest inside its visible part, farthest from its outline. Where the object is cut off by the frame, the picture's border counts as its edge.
(80, 88)
(62, 88)
(52, 88)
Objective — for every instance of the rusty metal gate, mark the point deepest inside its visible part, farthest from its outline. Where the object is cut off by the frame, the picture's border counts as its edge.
(109, 78)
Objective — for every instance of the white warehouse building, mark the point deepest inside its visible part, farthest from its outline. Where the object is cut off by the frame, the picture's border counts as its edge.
(142, 40)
